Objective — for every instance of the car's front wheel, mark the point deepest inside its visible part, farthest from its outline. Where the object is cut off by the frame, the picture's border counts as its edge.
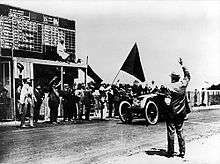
(151, 113)
(125, 114)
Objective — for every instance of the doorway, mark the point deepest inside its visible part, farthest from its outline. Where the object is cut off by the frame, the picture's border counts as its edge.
(6, 109)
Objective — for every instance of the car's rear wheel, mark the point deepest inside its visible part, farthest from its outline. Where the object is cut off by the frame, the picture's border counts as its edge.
(125, 114)
(151, 113)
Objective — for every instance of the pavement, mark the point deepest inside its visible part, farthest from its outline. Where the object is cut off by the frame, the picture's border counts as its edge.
(200, 151)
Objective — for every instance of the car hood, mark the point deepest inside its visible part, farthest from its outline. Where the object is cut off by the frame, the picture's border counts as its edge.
(144, 98)
(148, 95)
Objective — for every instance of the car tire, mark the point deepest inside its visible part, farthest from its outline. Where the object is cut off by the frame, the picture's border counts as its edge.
(125, 114)
(151, 113)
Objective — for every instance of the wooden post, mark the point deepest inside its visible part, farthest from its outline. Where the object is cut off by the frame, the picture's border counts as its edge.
(61, 76)
(13, 89)
(60, 110)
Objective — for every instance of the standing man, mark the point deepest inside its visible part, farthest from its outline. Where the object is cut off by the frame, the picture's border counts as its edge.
(110, 102)
(66, 95)
(177, 110)
(53, 101)
(27, 99)
(39, 99)
(116, 100)
(73, 103)
(203, 97)
(196, 97)
(88, 101)
(79, 94)
(103, 99)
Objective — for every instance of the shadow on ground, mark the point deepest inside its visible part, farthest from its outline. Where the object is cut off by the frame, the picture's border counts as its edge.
(135, 122)
(154, 151)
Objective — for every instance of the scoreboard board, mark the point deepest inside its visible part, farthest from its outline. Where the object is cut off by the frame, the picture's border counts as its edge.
(34, 35)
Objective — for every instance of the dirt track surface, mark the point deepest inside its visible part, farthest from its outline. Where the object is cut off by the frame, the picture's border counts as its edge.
(95, 141)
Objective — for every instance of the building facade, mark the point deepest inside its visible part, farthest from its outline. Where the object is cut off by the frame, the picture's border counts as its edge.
(28, 49)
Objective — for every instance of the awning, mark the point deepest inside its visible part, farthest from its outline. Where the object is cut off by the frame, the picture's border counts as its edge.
(49, 62)
(28, 65)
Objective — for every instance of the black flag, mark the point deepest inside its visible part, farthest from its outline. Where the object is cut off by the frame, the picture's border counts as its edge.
(132, 64)
(93, 75)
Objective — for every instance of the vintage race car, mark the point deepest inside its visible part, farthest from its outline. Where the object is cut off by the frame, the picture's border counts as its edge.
(152, 107)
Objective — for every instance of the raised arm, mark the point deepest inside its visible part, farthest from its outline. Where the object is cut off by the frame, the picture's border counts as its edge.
(186, 73)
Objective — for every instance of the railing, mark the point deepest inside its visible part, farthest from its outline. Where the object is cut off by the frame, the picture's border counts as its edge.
(203, 97)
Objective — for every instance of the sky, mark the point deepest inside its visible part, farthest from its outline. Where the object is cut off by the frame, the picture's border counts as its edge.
(106, 30)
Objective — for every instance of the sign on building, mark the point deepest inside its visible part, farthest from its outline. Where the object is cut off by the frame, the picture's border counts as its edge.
(29, 34)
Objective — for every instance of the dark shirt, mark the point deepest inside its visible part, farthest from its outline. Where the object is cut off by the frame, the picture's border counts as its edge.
(88, 98)
(53, 97)
(178, 95)
(38, 95)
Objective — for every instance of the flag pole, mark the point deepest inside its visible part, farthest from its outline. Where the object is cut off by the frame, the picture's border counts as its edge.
(87, 60)
(116, 76)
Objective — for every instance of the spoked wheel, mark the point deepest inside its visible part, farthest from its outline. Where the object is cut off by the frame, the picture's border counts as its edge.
(151, 113)
(124, 112)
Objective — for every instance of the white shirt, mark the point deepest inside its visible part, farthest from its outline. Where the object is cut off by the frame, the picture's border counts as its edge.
(61, 51)
(25, 92)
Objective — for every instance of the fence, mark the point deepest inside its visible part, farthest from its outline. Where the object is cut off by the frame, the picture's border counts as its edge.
(204, 97)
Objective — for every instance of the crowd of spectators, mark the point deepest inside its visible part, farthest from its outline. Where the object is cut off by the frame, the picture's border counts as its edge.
(77, 101)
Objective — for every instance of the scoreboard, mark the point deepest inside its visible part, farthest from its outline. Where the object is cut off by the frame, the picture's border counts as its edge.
(33, 35)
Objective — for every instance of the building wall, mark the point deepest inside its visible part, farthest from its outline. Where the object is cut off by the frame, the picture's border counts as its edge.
(31, 35)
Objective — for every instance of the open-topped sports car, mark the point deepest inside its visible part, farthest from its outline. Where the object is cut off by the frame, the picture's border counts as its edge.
(151, 106)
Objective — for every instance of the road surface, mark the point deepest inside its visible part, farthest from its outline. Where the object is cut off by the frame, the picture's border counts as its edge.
(94, 141)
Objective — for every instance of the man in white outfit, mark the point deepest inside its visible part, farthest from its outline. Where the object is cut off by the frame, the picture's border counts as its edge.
(61, 50)
(27, 99)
